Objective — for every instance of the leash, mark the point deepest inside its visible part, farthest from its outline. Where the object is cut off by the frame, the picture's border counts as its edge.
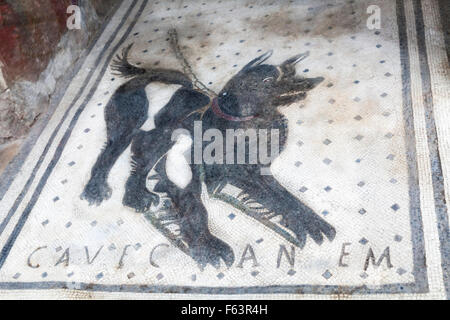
(187, 69)
(199, 85)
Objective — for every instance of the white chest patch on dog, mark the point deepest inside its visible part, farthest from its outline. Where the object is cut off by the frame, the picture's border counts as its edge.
(178, 169)
(158, 95)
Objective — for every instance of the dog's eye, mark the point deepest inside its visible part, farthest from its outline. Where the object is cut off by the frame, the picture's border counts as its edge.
(268, 79)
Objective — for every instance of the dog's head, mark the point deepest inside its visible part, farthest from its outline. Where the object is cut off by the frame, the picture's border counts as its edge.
(258, 89)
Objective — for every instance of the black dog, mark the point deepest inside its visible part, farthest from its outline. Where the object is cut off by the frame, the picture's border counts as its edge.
(249, 100)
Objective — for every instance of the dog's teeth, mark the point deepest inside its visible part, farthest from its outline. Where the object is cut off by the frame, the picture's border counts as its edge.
(290, 94)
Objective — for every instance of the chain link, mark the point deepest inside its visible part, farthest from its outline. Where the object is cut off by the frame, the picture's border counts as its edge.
(187, 69)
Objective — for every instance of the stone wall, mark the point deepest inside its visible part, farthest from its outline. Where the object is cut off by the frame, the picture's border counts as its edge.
(36, 52)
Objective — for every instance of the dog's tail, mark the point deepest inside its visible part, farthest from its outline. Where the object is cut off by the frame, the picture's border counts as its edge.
(123, 68)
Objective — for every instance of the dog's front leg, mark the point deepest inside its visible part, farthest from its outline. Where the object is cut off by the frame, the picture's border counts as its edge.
(296, 215)
(192, 215)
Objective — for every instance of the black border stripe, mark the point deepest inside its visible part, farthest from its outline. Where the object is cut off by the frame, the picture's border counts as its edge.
(165, 289)
(444, 11)
(435, 160)
(417, 235)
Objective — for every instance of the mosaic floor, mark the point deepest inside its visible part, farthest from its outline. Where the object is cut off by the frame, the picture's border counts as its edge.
(367, 150)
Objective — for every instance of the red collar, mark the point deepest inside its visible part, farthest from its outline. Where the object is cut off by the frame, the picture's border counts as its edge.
(216, 109)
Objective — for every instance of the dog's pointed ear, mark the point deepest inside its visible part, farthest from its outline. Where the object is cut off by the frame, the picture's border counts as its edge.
(257, 61)
(296, 59)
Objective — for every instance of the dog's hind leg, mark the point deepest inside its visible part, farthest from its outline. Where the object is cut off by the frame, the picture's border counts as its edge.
(125, 113)
(97, 189)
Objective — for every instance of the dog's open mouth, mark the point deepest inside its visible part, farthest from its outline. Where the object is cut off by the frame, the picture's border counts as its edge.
(291, 94)
(289, 97)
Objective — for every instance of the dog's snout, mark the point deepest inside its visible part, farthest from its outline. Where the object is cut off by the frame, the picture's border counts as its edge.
(316, 81)
(320, 79)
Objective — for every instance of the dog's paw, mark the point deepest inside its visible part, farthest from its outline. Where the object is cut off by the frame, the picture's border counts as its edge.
(211, 250)
(311, 225)
(96, 192)
(141, 200)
